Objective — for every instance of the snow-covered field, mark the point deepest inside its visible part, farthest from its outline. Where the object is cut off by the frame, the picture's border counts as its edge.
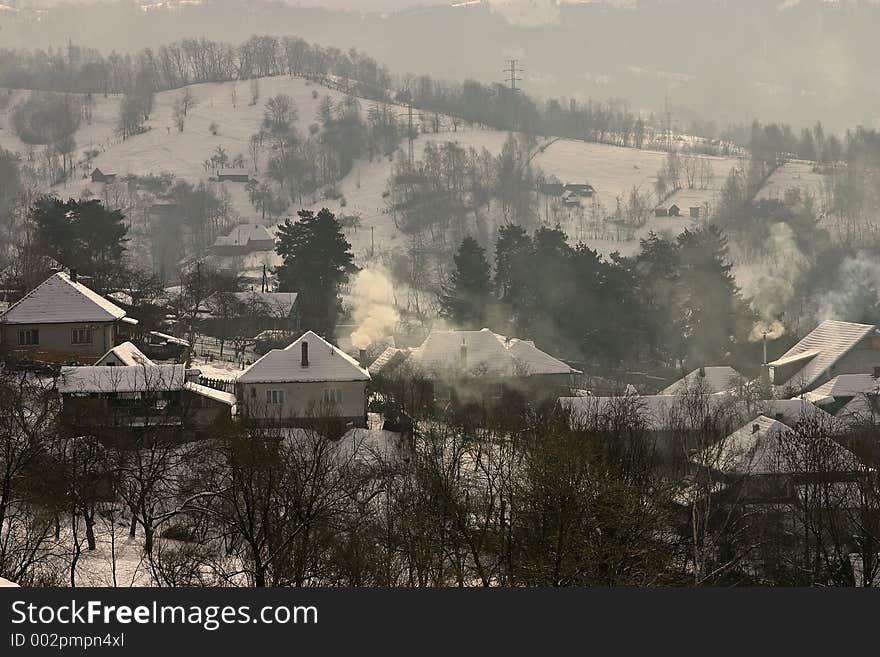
(613, 171)
(796, 174)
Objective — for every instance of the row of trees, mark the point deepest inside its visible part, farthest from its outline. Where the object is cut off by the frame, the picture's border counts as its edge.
(676, 301)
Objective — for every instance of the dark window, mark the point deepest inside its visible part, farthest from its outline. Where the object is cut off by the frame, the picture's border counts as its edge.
(28, 336)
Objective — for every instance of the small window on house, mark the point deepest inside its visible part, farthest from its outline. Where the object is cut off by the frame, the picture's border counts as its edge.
(332, 395)
(274, 396)
(81, 336)
(28, 336)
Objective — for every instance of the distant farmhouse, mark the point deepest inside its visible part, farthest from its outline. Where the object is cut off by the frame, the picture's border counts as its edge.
(99, 176)
(233, 175)
(569, 193)
(63, 321)
(244, 239)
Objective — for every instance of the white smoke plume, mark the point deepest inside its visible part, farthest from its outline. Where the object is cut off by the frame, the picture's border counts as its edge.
(855, 290)
(373, 309)
(770, 284)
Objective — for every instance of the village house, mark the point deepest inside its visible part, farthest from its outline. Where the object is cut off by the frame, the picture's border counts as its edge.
(63, 321)
(128, 401)
(233, 175)
(99, 176)
(831, 349)
(712, 380)
(479, 364)
(309, 383)
(244, 239)
(768, 460)
(572, 191)
(250, 313)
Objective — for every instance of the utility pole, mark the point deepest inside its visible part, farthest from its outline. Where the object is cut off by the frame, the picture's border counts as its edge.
(372, 242)
(411, 135)
(668, 124)
(512, 78)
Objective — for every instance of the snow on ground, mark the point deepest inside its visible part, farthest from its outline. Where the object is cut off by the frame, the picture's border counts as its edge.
(796, 174)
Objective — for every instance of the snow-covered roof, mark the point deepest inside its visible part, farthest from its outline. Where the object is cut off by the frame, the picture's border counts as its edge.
(58, 300)
(326, 363)
(707, 379)
(485, 352)
(758, 449)
(241, 235)
(127, 354)
(279, 303)
(820, 349)
(390, 358)
(532, 360)
(211, 393)
(845, 385)
(126, 378)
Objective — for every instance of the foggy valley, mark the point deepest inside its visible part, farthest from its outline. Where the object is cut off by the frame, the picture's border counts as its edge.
(416, 294)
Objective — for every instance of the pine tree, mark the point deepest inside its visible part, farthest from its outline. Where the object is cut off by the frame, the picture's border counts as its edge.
(317, 261)
(466, 299)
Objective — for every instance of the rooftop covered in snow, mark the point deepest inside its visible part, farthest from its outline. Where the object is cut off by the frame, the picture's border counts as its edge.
(320, 362)
(60, 300)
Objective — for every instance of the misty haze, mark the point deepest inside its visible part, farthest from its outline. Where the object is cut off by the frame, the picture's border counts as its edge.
(405, 293)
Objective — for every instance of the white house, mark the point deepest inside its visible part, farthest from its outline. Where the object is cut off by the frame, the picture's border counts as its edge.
(710, 380)
(61, 320)
(310, 381)
(831, 349)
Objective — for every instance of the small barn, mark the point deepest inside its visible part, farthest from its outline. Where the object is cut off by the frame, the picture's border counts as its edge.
(674, 210)
(99, 176)
(661, 212)
(695, 211)
(233, 175)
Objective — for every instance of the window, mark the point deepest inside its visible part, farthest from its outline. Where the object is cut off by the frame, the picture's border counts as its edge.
(274, 396)
(81, 336)
(28, 336)
(332, 395)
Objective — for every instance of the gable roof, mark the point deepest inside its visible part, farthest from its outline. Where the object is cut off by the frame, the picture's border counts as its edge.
(59, 300)
(845, 385)
(709, 379)
(757, 449)
(326, 363)
(819, 350)
(127, 378)
(127, 354)
(245, 233)
(485, 353)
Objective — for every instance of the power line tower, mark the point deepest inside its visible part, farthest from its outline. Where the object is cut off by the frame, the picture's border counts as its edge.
(512, 77)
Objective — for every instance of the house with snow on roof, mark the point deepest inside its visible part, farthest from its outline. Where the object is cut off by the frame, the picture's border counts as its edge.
(769, 460)
(710, 380)
(63, 321)
(127, 401)
(124, 355)
(243, 239)
(250, 313)
(308, 383)
(831, 349)
(482, 364)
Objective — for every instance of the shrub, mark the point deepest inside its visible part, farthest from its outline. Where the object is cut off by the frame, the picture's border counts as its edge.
(45, 118)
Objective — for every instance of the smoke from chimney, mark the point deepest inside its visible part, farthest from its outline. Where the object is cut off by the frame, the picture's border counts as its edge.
(373, 310)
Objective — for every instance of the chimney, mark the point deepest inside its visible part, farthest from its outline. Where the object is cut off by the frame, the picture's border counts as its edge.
(463, 352)
(702, 372)
(73, 276)
(305, 353)
(756, 427)
(362, 357)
